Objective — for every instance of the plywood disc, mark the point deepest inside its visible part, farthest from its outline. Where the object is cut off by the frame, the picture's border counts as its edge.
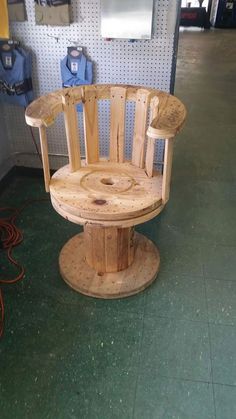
(81, 277)
(106, 191)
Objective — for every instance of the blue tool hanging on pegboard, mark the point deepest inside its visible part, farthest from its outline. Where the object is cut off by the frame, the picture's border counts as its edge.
(15, 74)
(76, 69)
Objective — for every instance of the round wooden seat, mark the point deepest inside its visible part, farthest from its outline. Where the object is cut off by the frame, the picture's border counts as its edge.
(106, 191)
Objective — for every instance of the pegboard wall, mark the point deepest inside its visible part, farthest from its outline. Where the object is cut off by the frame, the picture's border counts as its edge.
(144, 62)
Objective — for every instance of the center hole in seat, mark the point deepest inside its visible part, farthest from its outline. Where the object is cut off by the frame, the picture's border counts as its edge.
(107, 181)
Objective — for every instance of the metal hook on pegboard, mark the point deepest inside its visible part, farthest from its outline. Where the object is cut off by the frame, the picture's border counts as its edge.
(72, 42)
(75, 43)
(54, 37)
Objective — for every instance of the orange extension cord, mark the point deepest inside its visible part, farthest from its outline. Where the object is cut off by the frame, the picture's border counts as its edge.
(11, 236)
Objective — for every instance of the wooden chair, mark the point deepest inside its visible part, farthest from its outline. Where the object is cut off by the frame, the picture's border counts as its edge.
(109, 196)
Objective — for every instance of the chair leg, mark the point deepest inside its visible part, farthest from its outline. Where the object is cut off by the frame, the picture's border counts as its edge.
(109, 262)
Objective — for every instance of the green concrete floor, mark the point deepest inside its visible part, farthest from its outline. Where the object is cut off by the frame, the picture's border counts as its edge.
(168, 352)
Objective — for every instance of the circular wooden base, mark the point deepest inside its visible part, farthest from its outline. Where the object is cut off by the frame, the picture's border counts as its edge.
(81, 277)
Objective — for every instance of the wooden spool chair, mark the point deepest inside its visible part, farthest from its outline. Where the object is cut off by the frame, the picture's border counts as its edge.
(109, 196)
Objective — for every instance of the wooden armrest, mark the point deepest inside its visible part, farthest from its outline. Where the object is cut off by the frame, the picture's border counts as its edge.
(44, 110)
(170, 119)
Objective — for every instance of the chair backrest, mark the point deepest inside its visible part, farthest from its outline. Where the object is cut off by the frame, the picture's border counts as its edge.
(165, 112)
(118, 96)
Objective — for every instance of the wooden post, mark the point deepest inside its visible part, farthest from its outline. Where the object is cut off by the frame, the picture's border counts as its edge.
(117, 131)
(44, 152)
(140, 127)
(108, 249)
(169, 143)
(150, 156)
(72, 134)
(154, 109)
(91, 131)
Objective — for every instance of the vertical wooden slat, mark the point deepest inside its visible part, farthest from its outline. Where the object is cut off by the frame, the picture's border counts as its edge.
(95, 247)
(44, 151)
(88, 238)
(151, 141)
(72, 133)
(98, 248)
(131, 246)
(90, 115)
(111, 244)
(169, 143)
(125, 247)
(117, 130)
(140, 127)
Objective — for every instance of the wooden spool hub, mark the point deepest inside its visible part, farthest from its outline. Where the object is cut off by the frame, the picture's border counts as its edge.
(109, 262)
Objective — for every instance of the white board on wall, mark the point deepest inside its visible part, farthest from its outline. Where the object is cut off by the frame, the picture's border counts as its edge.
(126, 19)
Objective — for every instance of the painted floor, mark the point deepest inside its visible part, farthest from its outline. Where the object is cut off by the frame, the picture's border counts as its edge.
(169, 352)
